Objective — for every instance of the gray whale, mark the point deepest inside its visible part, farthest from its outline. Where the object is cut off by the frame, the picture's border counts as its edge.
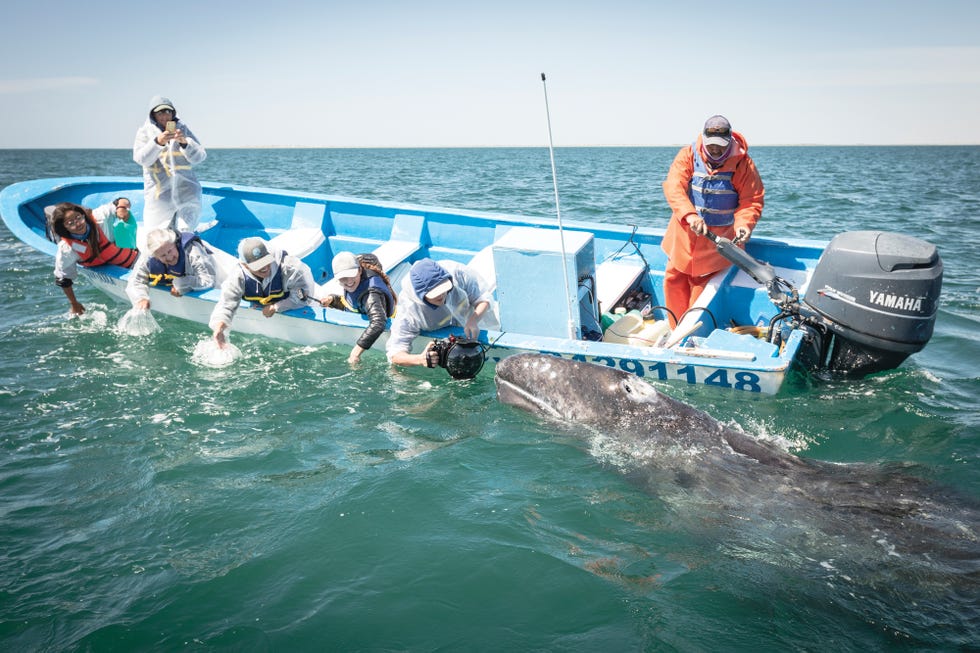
(876, 526)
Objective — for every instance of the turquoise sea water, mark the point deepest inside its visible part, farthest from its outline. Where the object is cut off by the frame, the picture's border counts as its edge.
(290, 503)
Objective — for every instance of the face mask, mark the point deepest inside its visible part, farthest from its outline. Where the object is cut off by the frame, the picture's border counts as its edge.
(724, 155)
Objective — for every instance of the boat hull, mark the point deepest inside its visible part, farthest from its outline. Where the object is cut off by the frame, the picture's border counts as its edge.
(405, 233)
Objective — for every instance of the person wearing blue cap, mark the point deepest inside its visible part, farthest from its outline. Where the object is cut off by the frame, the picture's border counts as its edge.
(436, 295)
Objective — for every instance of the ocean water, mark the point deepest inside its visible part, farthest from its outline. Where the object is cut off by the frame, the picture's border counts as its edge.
(288, 502)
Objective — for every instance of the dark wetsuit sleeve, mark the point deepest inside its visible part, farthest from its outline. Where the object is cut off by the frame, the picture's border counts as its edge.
(375, 306)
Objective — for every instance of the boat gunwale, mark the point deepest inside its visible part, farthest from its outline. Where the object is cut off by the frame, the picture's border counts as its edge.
(14, 196)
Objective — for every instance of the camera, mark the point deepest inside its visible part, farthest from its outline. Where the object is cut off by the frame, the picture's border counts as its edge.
(461, 357)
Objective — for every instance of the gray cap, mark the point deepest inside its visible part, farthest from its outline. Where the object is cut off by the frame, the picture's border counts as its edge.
(254, 253)
(721, 131)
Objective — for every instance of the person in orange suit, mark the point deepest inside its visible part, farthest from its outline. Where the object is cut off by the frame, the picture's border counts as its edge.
(712, 184)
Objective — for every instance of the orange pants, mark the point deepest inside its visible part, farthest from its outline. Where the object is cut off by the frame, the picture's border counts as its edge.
(681, 291)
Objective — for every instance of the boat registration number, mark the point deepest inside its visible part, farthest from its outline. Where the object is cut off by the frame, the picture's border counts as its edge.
(694, 374)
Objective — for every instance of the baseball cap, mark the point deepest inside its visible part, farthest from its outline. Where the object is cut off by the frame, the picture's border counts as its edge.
(345, 265)
(717, 131)
(254, 253)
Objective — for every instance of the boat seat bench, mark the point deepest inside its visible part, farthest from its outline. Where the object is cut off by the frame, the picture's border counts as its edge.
(305, 238)
(405, 240)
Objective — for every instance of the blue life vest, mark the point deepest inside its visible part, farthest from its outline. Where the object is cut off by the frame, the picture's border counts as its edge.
(353, 301)
(713, 195)
(274, 292)
(160, 273)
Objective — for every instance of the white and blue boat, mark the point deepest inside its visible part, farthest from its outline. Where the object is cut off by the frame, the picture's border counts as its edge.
(860, 304)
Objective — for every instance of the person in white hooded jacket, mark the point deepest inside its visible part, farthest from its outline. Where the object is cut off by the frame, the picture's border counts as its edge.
(433, 296)
(172, 194)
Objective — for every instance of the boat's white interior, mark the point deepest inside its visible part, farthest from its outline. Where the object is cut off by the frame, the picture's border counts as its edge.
(615, 277)
(482, 264)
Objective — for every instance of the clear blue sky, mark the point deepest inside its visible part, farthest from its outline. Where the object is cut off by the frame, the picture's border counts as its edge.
(367, 73)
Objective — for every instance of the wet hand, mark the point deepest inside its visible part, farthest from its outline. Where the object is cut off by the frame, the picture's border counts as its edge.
(472, 328)
(77, 309)
(741, 235)
(143, 304)
(269, 310)
(429, 356)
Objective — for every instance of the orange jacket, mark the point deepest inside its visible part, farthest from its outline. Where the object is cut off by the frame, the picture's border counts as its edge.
(695, 255)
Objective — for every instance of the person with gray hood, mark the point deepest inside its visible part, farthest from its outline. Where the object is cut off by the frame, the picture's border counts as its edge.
(433, 296)
(168, 151)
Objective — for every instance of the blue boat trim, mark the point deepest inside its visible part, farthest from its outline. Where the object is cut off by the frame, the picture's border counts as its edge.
(525, 265)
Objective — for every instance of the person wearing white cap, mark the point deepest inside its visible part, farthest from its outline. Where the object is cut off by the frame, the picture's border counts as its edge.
(433, 296)
(179, 261)
(168, 151)
(367, 290)
(273, 281)
(712, 184)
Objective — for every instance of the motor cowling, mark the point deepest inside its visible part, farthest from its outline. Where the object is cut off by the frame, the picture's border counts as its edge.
(875, 294)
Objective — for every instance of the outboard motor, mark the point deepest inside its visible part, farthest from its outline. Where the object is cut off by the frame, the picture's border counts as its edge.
(873, 300)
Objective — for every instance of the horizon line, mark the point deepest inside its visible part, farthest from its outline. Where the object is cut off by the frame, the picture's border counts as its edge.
(489, 147)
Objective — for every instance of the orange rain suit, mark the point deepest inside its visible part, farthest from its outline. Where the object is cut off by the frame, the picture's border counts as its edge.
(693, 259)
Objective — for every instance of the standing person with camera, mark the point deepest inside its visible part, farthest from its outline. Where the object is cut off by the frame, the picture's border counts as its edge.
(168, 151)
(366, 290)
(433, 296)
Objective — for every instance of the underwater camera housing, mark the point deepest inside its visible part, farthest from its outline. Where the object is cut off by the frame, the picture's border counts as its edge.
(872, 301)
(461, 357)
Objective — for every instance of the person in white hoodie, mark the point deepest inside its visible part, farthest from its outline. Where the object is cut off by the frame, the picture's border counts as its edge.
(172, 194)
(436, 295)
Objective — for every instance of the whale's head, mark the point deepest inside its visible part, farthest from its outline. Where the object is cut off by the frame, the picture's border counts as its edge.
(599, 396)
(567, 391)
(617, 403)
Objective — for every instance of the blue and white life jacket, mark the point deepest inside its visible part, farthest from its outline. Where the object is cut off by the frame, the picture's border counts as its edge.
(161, 274)
(274, 292)
(354, 301)
(713, 194)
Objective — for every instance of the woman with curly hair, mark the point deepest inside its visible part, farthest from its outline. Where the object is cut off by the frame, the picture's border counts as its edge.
(86, 239)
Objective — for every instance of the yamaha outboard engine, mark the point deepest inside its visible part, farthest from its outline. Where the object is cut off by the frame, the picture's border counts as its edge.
(873, 299)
